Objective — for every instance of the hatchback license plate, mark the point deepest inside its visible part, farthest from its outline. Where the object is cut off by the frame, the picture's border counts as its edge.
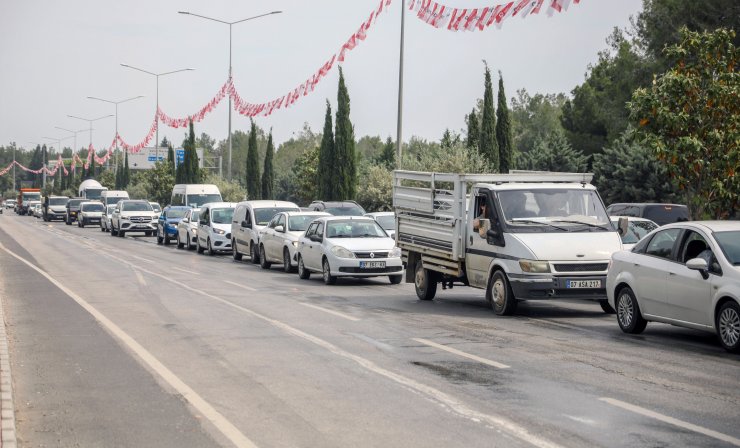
(575, 284)
(372, 264)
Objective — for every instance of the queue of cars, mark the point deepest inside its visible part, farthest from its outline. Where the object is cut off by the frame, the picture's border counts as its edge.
(683, 273)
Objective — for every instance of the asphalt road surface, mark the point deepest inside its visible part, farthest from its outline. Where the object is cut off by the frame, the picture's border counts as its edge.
(120, 342)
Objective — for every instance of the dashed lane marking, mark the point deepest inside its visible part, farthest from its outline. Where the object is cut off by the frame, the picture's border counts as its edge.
(248, 288)
(335, 313)
(461, 353)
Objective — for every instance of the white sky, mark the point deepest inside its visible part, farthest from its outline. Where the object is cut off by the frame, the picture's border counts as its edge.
(56, 53)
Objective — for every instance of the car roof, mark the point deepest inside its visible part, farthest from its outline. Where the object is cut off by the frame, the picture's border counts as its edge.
(266, 203)
(303, 213)
(219, 204)
(708, 226)
(643, 204)
(336, 203)
(523, 186)
(345, 218)
(380, 214)
(630, 218)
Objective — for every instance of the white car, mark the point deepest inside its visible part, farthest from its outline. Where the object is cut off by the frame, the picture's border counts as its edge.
(343, 246)
(387, 221)
(38, 212)
(10, 203)
(105, 219)
(636, 229)
(32, 208)
(279, 239)
(249, 218)
(156, 207)
(214, 227)
(187, 229)
(133, 216)
(90, 213)
(685, 274)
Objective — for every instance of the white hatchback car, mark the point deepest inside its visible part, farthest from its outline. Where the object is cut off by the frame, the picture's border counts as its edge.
(279, 239)
(214, 227)
(343, 246)
(187, 229)
(685, 274)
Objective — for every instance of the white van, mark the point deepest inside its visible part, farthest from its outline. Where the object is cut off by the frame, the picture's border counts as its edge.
(111, 197)
(214, 226)
(249, 218)
(195, 195)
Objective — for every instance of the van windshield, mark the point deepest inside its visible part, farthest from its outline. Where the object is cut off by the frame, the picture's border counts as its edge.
(113, 200)
(222, 215)
(58, 201)
(92, 207)
(554, 210)
(196, 200)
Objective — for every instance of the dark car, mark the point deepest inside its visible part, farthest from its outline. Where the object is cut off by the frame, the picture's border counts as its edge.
(338, 208)
(167, 222)
(661, 214)
(73, 209)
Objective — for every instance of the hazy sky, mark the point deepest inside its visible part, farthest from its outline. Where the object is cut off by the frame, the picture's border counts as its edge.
(56, 53)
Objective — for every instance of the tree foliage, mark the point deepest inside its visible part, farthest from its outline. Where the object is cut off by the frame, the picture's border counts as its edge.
(503, 130)
(387, 157)
(487, 143)
(473, 134)
(268, 176)
(345, 161)
(553, 153)
(534, 117)
(253, 169)
(690, 118)
(376, 193)
(326, 183)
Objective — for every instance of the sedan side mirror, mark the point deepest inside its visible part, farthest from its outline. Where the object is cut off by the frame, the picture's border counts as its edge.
(699, 264)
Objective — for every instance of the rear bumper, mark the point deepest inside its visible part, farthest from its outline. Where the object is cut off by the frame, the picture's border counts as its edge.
(553, 288)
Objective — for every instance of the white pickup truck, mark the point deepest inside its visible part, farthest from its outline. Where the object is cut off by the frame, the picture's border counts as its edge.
(541, 236)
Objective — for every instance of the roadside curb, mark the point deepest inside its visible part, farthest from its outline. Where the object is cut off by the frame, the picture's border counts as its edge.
(7, 411)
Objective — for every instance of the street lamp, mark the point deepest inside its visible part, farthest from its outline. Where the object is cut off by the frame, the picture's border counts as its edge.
(75, 135)
(59, 144)
(157, 75)
(90, 121)
(116, 103)
(230, 68)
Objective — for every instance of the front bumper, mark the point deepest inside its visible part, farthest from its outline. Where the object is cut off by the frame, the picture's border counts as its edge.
(221, 243)
(128, 226)
(350, 267)
(529, 287)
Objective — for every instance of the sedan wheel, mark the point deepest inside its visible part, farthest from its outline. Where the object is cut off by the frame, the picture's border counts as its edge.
(179, 243)
(286, 261)
(328, 278)
(628, 312)
(728, 326)
(303, 273)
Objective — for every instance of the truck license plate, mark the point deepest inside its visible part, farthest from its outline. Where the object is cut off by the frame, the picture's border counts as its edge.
(372, 264)
(575, 284)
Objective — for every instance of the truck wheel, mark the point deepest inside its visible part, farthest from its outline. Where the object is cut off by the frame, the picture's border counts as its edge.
(500, 295)
(121, 233)
(68, 222)
(425, 282)
(209, 248)
(198, 249)
(606, 307)
(113, 231)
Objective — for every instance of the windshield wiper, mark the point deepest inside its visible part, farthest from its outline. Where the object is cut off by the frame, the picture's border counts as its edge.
(584, 223)
(532, 221)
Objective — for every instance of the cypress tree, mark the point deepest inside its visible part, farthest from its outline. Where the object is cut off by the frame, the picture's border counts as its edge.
(326, 181)
(268, 177)
(344, 145)
(171, 157)
(503, 130)
(487, 142)
(473, 130)
(126, 173)
(253, 169)
(192, 172)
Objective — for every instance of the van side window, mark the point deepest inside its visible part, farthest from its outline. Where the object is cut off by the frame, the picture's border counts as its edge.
(205, 216)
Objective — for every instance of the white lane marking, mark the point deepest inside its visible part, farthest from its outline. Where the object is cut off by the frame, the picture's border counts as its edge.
(140, 277)
(186, 271)
(218, 420)
(463, 354)
(586, 421)
(336, 313)
(248, 288)
(671, 420)
(142, 259)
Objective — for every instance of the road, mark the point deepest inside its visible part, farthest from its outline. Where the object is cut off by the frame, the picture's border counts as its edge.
(120, 342)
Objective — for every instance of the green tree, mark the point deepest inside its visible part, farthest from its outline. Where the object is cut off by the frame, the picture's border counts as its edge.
(554, 153)
(424, 156)
(306, 172)
(534, 118)
(628, 172)
(171, 157)
(231, 190)
(344, 146)
(253, 169)
(449, 139)
(376, 193)
(188, 171)
(158, 182)
(387, 157)
(326, 183)
(503, 130)
(473, 136)
(690, 118)
(126, 173)
(268, 176)
(487, 142)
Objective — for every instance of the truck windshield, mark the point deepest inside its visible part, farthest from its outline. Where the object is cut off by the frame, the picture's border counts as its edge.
(93, 193)
(196, 200)
(571, 209)
(31, 196)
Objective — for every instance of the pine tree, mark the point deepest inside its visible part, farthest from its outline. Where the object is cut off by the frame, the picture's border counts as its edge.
(503, 130)
(344, 145)
(488, 144)
(253, 169)
(473, 130)
(268, 177)
(170, 156)
(326, 182)
(388, 155)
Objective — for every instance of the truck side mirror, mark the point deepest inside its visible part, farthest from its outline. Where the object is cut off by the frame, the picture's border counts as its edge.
(246, 224)
(623, 226)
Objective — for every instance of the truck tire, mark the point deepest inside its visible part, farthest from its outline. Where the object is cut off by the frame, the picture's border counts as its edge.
(500, 295)
(425, 282)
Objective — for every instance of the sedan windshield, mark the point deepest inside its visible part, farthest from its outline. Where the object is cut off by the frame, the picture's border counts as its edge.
(222, 215)
(571, 210)
(354, 229)
(136, 207)
(729, 242)
(300, 223)
(176, 213)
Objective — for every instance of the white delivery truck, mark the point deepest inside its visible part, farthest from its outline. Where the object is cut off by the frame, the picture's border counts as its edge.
(111, 197)
(91, 189)
(540, 236)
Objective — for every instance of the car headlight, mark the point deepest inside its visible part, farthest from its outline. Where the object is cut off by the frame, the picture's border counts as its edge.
(294, 243)
(218, 231)
(395, 252)
(535, 267)
(195, 231)
(341, 252)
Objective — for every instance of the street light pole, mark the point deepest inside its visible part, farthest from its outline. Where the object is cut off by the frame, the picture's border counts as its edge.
(75, 136)
(90, 121)
(157, 75)
(116, 103)
(230, 66)
(59, 148)
(399, 124)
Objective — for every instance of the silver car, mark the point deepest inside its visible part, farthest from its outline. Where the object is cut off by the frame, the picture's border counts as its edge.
(685, 274)
(105, 219)
(187, 229)
(279, 239)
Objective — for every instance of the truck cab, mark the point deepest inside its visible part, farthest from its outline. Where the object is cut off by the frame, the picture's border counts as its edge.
(526, 236)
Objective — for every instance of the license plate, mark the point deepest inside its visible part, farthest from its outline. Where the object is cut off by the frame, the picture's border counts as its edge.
(575, 284)
(372, 264)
